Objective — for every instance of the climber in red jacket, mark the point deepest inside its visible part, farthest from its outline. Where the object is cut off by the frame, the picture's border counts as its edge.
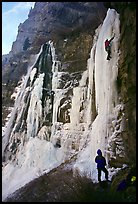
(108, 47)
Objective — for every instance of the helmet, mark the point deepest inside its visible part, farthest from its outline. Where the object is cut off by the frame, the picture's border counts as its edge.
(99, 152)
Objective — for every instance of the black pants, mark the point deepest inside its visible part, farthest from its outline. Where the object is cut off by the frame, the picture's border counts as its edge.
(108, 50)
(99, 173)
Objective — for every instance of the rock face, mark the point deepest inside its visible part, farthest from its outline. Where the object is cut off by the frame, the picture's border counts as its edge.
(71, 34)
(52, 25)
(45, 22)
(126, 81)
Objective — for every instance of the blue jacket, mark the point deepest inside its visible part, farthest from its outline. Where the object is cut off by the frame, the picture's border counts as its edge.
(100, 160)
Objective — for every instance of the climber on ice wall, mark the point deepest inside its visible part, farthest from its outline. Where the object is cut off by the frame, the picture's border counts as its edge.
(108, 47)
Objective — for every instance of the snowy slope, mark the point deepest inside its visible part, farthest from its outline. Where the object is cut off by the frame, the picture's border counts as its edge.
(38, 152)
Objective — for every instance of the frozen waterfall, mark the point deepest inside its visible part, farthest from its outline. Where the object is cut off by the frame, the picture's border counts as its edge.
(106, 101)
(79, 121)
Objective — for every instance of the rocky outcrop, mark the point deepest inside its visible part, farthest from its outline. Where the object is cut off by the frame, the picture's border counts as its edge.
(52, 25)
(69, 25)
(126, 81)
(46, 22)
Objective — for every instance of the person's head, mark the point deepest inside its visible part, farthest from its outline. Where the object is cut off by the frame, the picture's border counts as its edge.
(99, 152)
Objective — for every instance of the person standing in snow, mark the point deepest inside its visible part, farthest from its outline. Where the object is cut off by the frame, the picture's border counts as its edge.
(101, 163)
(108, 47)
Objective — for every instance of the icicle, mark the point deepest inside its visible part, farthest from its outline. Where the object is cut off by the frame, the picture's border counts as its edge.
(34, 117)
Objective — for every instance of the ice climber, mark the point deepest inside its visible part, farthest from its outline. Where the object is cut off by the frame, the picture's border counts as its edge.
(101, 163)
(108, 47)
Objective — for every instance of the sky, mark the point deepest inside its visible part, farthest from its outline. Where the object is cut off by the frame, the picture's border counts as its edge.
(13, 13)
